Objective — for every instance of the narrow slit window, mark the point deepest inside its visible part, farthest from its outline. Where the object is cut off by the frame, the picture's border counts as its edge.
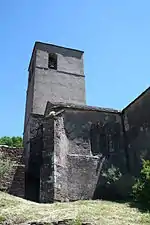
(52, 61)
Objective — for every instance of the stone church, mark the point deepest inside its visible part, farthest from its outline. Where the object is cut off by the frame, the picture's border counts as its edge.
(73, 151)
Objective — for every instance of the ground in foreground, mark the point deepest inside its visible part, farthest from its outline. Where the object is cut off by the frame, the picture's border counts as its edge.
(17, 211)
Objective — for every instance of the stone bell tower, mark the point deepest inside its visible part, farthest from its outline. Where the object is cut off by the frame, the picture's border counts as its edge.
(56, 74)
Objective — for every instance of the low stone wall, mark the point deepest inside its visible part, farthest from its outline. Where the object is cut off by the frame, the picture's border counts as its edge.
(13, 182)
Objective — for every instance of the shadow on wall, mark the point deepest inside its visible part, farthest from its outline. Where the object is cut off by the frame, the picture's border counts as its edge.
(32, 176)
(112, 172)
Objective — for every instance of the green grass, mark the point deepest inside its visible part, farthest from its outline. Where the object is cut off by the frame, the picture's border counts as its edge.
(17, 210)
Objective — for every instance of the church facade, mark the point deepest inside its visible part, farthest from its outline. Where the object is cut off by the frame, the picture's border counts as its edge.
(74, 151)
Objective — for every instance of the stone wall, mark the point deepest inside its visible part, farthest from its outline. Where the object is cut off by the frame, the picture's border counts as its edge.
(57, 86)
(31, 132)
(32, 176)
(81, 143)
(47, 167)
(69, 60)
(29, 100)
(137, 131)
(64, 84)
(87, 141)
(13, 183)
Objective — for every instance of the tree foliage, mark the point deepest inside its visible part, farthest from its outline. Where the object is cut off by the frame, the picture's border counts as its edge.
(12, 141)
(141, 189)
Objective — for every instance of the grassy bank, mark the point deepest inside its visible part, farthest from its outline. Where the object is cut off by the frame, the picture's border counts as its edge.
(18, 210)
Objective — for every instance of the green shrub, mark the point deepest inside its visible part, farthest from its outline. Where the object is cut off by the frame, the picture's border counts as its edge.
(112, 174)
(141, 189)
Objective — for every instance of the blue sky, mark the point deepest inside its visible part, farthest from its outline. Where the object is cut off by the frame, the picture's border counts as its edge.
(114, 34)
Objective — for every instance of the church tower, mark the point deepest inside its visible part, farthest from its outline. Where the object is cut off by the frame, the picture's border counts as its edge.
(56, 74)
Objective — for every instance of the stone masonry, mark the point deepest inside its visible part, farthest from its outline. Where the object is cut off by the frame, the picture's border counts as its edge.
(13, 181)
(69, 146)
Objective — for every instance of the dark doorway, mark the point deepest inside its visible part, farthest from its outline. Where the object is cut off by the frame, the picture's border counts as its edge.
(32, 187)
